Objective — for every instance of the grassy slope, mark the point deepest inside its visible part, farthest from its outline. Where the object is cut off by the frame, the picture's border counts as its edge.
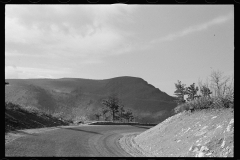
(207, 133)
(17, 118)
(71, 94)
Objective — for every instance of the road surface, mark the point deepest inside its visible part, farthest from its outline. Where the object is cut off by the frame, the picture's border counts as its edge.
(80, 141)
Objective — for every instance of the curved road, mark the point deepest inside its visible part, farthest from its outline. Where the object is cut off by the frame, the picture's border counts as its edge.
(80, 141)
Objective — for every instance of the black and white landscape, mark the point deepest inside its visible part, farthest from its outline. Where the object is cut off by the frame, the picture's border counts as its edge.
(119, 80)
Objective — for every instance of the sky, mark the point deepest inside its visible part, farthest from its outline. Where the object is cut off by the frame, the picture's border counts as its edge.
(158, 43)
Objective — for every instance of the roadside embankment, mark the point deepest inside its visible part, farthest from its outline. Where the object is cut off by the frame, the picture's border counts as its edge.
(205, 133)
(18, 118)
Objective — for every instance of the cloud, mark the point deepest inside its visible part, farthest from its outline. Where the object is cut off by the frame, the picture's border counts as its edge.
(84, 31)
(11, 72)
(14, 72)
(197, 28)
(91, 61)
(76, 15)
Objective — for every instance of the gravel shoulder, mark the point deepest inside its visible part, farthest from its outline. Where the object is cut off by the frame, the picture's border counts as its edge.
(128, 143)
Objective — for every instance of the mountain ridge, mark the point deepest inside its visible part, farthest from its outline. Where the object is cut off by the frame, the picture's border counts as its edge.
(85, 95)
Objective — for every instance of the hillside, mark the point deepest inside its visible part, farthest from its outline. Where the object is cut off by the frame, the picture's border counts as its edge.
(17, 117)
(205, 133)
(82, 97)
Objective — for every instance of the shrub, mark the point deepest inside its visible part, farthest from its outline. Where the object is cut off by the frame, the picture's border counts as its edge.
(58, 115)
(182, 107)
(196, 104)
(31, 109)
(79, 119)
(200, 103)
(226, 101)
(12, 106)
(222, 87)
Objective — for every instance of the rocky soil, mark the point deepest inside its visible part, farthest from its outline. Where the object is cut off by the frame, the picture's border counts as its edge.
(206, 133)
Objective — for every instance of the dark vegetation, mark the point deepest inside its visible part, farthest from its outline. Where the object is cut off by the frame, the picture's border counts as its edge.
(114, 108)
(80, 99)
(218, 94)
(17, 117)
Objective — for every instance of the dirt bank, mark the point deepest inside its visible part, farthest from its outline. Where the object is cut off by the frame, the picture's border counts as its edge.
(206, 133)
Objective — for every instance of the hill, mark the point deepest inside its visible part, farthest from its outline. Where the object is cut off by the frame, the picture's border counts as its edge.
(17, 117)
(205, 133)
(73, 97)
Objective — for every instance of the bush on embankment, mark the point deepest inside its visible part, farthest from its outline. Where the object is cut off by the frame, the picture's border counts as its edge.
(218, 94)
(206, 103)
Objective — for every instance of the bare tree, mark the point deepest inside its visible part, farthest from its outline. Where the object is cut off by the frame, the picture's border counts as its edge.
(219, 83)
(230, 87)
(201, 84)
(204, 88)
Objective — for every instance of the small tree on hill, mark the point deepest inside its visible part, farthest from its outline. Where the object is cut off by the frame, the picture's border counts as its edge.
(117, 117)
(230, 86)
(121, 112)
(219, 83)
(180, 92)
(112, 103)
(191, 91)
(205, 91)
(98, 115)
(104, 112)
(128, 115)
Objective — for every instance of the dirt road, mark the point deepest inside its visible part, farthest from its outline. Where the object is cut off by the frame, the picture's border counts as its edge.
(80, 141)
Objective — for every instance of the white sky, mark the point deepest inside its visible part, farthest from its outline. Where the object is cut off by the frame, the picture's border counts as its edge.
(159, 43)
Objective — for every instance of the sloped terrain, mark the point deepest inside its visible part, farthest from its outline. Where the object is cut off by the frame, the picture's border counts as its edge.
(205, 133)
(82, 97)
(18, 118)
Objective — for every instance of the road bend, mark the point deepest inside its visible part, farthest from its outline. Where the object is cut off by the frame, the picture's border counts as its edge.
(80, 141)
